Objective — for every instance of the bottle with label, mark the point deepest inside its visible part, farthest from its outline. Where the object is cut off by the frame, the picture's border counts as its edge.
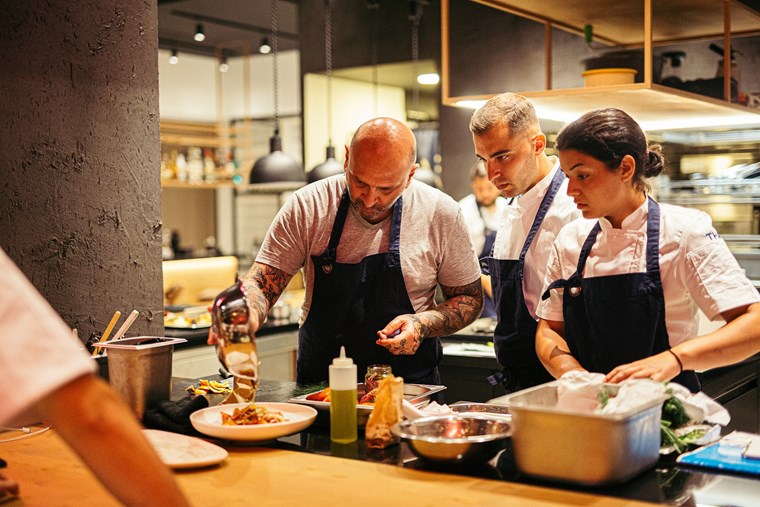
(342, 375)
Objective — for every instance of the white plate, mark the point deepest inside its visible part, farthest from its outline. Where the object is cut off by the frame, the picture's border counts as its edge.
(209, 422)
(182, 451)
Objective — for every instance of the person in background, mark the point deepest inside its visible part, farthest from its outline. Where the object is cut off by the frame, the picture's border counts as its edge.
(509, 142)
(623, 289)
(374, 244)
(53, 380)
(482, 210)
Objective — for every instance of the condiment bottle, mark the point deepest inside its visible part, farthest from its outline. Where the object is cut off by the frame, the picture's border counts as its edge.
(342, 375)
(375, 373)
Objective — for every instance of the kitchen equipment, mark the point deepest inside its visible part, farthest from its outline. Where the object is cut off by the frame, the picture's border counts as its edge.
(584, 448)
(107, 332)
(608, 76)
(490, 409)
(454, 439)
(236, 343)
(127, 324)
(140, 369)
(625, 59)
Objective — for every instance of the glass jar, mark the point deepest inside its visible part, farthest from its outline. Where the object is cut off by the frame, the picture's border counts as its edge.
(375, 373)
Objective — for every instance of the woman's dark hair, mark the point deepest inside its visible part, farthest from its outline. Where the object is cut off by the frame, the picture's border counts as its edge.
(610, 134)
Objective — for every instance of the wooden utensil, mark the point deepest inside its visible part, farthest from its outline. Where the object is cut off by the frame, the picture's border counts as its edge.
(124, 327)
(108, 330)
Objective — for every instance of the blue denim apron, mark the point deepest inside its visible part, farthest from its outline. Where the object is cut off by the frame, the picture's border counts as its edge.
(351, 302)
(489, 308)
(617, 319)
(515, 334)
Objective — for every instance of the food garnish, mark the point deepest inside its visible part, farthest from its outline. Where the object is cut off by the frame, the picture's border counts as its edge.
(252, 414)
(209, 386)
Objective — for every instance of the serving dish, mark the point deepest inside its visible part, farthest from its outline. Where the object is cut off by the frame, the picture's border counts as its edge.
(454, 439)
(486, 409)
(417, 394)
(195, 317)
(209, 422)
(182, 451)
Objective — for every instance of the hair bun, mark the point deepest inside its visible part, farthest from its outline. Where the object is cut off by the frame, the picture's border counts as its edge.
(655, 162)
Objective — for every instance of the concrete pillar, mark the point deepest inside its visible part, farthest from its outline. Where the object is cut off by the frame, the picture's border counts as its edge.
(80, 194)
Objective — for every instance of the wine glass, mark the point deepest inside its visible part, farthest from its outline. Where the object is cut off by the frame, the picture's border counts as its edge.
(236, 343)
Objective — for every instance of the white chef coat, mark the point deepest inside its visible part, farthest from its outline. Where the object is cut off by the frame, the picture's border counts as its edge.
(696, 267)
(477, 223)
(518, 219)
(38, 353)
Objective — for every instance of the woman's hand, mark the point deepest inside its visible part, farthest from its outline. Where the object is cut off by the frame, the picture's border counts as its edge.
(660, 367)
(8, 488)
(401, 336)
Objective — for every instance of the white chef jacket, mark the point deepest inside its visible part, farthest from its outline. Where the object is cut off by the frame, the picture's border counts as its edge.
(477, 223)
(518, 219)
(696, 267)
(38, 353)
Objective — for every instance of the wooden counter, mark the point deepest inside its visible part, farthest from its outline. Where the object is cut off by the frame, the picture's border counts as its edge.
(50, 474)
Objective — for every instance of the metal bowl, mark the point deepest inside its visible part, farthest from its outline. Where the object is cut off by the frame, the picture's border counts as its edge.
(489, 409)
(454, 439)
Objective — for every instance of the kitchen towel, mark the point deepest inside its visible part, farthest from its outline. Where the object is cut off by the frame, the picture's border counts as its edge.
(174, 416)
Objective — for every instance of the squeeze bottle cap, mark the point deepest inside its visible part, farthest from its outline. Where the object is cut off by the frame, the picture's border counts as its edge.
(342, 360)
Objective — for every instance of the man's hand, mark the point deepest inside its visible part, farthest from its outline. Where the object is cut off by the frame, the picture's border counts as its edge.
(401, 336)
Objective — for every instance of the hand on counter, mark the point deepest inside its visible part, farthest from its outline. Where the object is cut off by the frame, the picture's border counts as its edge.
(401, 337)
(660, 367)
(8, 488)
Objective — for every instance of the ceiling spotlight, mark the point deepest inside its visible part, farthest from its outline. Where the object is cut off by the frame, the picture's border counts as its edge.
(428, 79)
(265, 48)
(223, 65)
(174, 59)
(199, 36)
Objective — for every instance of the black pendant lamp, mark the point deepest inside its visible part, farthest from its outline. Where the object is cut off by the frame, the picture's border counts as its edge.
(277, 166)
(330, 166)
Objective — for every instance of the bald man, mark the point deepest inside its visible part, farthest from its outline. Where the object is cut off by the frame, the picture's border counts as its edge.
(374, 244)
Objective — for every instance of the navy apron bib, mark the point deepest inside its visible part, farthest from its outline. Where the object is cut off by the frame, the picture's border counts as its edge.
(489, 308)
(617, 319)
(515, 334)
(351, 302)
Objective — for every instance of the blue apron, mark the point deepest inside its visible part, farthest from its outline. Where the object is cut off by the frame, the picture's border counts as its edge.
(351, 302)
(489, 238)
(617, 319)
(515, 334)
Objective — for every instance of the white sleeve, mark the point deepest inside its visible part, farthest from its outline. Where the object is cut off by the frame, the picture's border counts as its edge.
(551, 308)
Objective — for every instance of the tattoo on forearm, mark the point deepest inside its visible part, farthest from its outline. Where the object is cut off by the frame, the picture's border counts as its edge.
(462, 306)
(264, 284)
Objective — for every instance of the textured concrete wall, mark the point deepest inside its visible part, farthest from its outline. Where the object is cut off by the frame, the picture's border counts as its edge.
(80, 202)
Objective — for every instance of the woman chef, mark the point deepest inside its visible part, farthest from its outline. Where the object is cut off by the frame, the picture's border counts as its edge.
(623, 290)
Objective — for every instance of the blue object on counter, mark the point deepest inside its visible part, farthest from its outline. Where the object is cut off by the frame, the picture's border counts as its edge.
(720, 457)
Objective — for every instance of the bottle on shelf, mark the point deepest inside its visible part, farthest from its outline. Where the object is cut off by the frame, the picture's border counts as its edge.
(209, 166)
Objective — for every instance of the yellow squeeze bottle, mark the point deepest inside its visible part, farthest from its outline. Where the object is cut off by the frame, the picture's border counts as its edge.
(342, 375)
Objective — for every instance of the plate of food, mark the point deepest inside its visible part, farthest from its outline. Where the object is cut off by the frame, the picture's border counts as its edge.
(417, 394)
(253, 422)
(194, 317)
(181, 451)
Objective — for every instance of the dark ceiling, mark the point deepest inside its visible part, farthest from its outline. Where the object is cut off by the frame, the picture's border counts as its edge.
(229, 24)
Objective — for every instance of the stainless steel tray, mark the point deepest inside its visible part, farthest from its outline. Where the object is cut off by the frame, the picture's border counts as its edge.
(417, 394)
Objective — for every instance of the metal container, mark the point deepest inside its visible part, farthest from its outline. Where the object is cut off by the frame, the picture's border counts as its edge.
(140, 370)
(454, 439)
(582, 448)
(490, 409)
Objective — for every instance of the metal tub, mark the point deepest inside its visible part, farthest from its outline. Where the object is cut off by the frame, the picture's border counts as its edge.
(582, 448)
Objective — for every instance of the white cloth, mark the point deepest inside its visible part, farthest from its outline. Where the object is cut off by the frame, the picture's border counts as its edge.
(38, 353)
(696, 267)
(477, 223)
(434, 243)
(518, 220)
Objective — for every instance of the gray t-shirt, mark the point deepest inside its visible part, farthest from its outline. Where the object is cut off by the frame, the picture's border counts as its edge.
(435, 244)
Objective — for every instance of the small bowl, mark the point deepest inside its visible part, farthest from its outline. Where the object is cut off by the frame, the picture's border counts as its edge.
(454, 439)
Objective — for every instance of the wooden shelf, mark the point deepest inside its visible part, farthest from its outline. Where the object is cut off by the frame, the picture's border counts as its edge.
(655, 106)
(622, 22)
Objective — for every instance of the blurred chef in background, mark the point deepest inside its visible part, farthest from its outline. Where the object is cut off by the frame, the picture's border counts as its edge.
(508, 140)
(623, 289)
(53, 381)
(374, 244)
(482, 211)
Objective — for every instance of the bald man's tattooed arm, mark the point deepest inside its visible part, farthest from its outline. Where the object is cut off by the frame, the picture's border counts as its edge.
(263, 285)
(461, 307)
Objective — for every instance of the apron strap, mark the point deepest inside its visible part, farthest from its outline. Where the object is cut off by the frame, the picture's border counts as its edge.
(653, 238)
(575, 279)
(394, 238)
(330, 253)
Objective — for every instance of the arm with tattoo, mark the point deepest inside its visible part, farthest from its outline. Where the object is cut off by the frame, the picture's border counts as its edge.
(461, 307)
(263, 285)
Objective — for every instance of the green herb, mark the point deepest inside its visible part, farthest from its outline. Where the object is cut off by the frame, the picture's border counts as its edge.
(674, 413)
(604, 396)
(668, 438)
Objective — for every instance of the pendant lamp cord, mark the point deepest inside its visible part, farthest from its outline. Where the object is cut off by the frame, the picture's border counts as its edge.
(374, 5)
(275, 70)
(415, 18)
(328, 67)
